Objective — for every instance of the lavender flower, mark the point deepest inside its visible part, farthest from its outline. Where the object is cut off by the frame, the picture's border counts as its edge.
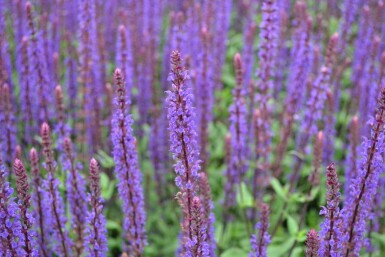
(259, 243)
(24, 203)
(11, 236)
(96, 241)
(358, 205)
(60, 240)
(76, 190)
(41, 217)
(127, 170)
(7, 122)
(312, 244)
(183, 141)
(330, 227)
(196, 245)
(265, 73)
(39, 75)
(26, 94)
(208, 207)
(351, 163)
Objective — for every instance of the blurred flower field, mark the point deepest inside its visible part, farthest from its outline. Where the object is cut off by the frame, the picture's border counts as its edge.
(229, 128)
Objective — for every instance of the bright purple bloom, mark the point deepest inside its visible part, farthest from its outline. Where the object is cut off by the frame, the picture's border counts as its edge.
(26, 93)
(76, 191)
(127, 170)
(24, 203)
(238, 131)
(7, 123)
(39, 205)
(61, 243)
(259, 243)
(96, 233)
(11, 236)
(312, 244)
(266, 70)
(183, 142)
(208, 207)
(39, 77)
(330, 233)
(358, 205)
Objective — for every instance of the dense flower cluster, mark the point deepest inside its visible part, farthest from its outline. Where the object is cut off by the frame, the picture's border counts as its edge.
(146, 144)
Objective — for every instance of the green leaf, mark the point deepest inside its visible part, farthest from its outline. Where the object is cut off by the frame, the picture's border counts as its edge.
(244, 197)
(232, 252)
(278, 189)
(292, 225)
(281, 249)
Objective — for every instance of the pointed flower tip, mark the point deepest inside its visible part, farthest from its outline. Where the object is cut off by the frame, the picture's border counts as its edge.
(45, 129)
(237, 60)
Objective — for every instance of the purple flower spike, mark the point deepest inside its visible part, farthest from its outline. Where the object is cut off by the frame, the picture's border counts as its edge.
(76, 190)
(312, 244)
(41, 217)
(60, 240)
(10, 226)
(127, 170)
(26, 92)
(259, 243)
(207, 202)
(40, 80)
(96, 234)
(7, 123)
(183, 142)
(197, 245)
(358, 205)
(330, 228)
(24, 203)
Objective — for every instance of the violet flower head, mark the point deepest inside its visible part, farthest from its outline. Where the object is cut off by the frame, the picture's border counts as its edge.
(312, 244)
(11, 235)
(260, 242)
(24, 203)
(208, 207)
(76, 192)
(7, 123)
(127, 170)
(351, 163)
(60, 240)
(238, 124)
(317, 159)
(197, 245)
(39, 75)
(96, 233)
(358, 205)
(183, 137)
(42, 218)
(124, 58)
(267, 53)
(330, 228)
(183, 143)
(317, 98)
(26, 93)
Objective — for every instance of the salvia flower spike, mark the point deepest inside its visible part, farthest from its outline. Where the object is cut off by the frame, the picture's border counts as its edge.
(96, 234)
(260, 242)
(24, 204)
(60, 240)
(127, 169)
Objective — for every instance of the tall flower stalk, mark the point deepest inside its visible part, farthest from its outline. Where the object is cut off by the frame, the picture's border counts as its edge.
(127, 170)
(41, 217)
(183, 145)
(96, 234)
(76, 190)
(363, 188)
(24, 204)
(259, 243)
(60, 240)
(331, 226)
